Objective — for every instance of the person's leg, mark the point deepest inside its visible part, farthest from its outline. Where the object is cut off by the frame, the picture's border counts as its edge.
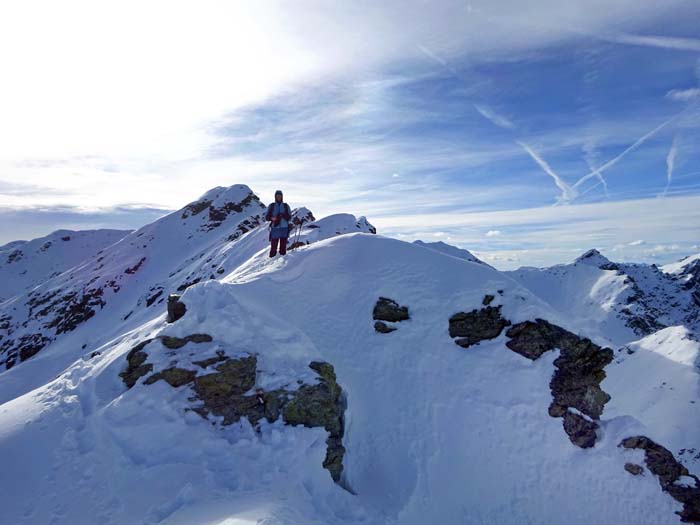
(283, 246)
(273, 247)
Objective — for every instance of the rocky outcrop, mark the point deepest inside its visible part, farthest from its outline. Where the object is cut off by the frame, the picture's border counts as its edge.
(575, 383)
(221, 386)
(581, 431)
(387, 310)
(176, 308)
(660, 462)
(136, 364)
(470, 328)
(383, 328)
(634, 469)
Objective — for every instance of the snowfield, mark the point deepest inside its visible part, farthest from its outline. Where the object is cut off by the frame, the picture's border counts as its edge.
(433, 432)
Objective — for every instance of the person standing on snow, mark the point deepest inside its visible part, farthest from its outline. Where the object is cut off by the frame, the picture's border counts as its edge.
(280, 215)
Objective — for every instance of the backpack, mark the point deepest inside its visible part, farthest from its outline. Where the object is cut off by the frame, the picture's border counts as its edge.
(290, 223)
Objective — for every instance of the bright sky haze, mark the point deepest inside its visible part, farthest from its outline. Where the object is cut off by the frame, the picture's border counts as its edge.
(526, 132)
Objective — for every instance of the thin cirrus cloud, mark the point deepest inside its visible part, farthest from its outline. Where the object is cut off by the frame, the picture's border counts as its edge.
(333, 101)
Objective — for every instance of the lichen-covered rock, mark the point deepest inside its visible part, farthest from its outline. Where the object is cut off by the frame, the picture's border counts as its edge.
(634, 469)
(580, 368)
(321, 405)
(473, 327)
(173, 376)
(226, 390)
(178, 342)
(136, 364)
(580, 430)
(660, 461)
(383, 328)
(176, 308)
(222, 392)
(389, 310)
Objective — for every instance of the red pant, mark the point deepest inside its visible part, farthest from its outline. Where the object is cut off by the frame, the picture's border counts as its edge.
(283, 246)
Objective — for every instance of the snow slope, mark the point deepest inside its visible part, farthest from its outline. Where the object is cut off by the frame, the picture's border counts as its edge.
(26, 264)
(434, 433)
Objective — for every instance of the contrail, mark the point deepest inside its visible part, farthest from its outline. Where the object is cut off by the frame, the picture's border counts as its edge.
(664, 42)
(612, 162)
(670, 162)
(567, 192)
(494, 117)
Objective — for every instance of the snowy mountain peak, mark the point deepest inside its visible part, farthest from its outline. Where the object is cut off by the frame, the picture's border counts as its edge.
(594, 258)
(689, 264)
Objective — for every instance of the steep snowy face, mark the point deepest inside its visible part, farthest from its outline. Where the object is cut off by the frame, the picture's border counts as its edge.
(26, 264)
(620, 301)
(473, 406)
(448, 249)
(128, 277)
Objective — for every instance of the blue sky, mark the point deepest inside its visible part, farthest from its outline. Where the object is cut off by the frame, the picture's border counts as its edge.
(526, 134)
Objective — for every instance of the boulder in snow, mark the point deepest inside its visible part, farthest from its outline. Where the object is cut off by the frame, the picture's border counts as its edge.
(469, 328)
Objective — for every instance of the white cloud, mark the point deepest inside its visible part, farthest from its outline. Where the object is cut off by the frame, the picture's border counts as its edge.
(670, 163)
(493, 233)
(684, 95)
(636, 243)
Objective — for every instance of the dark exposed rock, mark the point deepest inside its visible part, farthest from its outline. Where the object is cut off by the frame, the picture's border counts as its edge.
(14, 256)
(176, 308)
(383, 328)
(580, 430)
(136, 364)
(204, 363)
(154, 297)
(477, 325)
(389, 310)
(72, 309)
(135, 268)
(178, 342)
(321, 405)
(660, 461)
(30, 344)
(195, 208)
(184, 286)
(634, 469)
(218, 215)
(576, 380)
(488, 299)
(173, 376)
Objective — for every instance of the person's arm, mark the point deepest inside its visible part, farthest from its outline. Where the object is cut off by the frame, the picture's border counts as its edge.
(268, 214)
(287, 213)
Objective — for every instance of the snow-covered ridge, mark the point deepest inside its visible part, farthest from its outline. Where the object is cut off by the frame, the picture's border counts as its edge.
(436, 426)
(127, 281)
(448, 249)
(25, 264)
